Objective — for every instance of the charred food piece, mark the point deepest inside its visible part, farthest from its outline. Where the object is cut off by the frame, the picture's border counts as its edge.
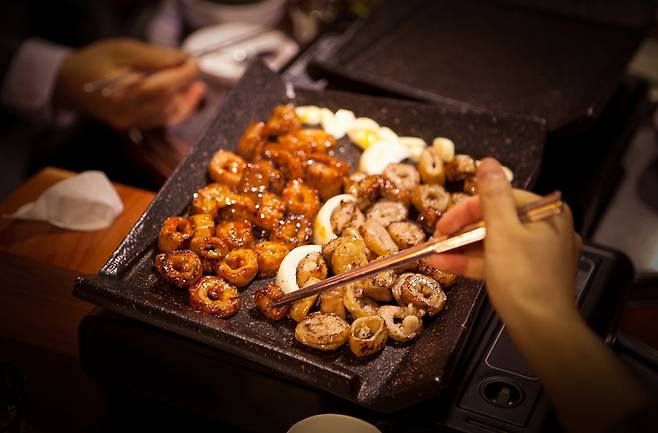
(368, 335)
(422, 291)
(322, 331)
(401, 324)
(265, 296)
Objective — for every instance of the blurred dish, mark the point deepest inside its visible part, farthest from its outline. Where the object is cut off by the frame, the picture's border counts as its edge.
(332, 422)
(201, 13)
(227, 66)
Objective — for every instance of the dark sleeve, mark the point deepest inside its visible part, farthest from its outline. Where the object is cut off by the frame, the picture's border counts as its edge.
(8, 46)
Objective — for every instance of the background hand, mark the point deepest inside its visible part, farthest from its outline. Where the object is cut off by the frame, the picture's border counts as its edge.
(165, 97)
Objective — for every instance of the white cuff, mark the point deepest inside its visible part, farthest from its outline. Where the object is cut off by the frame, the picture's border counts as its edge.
(30, 79)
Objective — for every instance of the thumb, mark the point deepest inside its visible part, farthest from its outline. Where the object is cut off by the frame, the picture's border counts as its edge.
(141, 55)
(496, 197)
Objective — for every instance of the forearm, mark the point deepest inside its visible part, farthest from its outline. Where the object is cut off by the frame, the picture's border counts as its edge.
(589, 387)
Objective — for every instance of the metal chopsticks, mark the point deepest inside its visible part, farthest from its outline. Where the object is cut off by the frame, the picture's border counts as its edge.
(119, 80)
(537, 210)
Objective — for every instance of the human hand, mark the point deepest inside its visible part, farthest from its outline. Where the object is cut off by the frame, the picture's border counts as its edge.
(165, 97)
(529, 269)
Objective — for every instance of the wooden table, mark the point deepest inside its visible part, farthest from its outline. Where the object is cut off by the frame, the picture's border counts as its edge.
(39, 316)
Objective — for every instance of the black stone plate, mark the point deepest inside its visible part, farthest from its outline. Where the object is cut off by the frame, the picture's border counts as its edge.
(403, 373)
(496, 55)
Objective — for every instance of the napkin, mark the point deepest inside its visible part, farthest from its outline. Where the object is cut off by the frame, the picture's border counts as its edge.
(84, 202)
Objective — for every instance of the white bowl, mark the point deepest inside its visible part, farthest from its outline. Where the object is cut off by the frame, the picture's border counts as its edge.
(333, 423)
(225, 67)
(201, 13)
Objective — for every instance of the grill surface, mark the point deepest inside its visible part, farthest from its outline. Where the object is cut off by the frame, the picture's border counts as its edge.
(402, 374)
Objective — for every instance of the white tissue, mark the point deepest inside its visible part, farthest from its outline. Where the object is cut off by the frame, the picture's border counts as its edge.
(84, 202)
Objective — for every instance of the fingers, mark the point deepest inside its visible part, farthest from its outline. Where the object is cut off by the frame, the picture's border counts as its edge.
(470, 267)
(166, 82)
(186, 103)
(170, 111)
(469, 211)
(496, 197)
(145, 56)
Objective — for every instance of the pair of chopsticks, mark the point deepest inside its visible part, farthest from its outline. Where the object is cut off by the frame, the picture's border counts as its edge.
(120, 81)
(538, 210)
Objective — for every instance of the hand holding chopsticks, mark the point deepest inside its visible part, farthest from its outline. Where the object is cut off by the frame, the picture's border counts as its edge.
(538, 210)
(126, 78)
(161, 99)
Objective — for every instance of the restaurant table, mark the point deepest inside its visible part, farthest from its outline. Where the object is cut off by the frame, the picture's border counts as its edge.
(39, 316)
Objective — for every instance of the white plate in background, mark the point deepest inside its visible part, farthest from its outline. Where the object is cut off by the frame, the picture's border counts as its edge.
(201, 13)
(333, 423)
(226, 66)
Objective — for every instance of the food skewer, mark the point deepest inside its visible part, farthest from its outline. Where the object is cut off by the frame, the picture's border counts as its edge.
(538, 210)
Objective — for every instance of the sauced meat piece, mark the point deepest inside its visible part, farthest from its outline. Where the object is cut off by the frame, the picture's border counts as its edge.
(265, 296)
(431, 166)
(460, 168)
(243, 211)
(235, 234)
(398, 181)
(365, 188)
(203, 225)
(207, 199)
(471, 185)
(270, 209)
(308, 141)
(226, 167)
(295, 230)
(215, 296)
(210, 248)
(325, 174)
(269, 255)
(255, 180)
(181, 268)
(175, 233)
(301, 199)
(289, 163)
(276, 180)
(283, 120)
(430, 201)
(252, 141)
(239, 267)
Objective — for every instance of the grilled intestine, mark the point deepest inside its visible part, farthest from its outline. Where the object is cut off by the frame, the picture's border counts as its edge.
(283, 189)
